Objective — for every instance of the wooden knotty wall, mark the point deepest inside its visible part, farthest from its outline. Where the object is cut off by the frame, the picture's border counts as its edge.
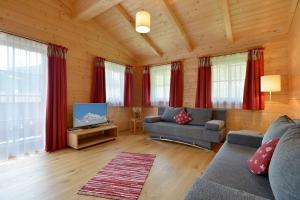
(276, 62)
(48, 21)
(294, 65)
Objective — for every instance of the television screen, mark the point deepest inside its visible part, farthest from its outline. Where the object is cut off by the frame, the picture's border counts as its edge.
(89, 114)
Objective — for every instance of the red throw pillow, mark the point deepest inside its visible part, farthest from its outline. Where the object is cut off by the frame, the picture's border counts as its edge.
(182, 118)
(259, 162)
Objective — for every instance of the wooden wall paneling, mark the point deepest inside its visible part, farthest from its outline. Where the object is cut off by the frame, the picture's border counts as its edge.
(48, 21)
(208, 49)
(80, 34)
(254, 23)
(190, 71)
(276, 62)
(294, 64)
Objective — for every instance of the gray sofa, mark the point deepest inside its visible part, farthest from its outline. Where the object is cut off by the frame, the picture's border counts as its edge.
(206, 128)
(228, 176)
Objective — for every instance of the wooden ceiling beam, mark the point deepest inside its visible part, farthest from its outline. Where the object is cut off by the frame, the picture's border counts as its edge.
(227, 20)
(88, 9)
(121, 10)
(177, 24)
(292, 12)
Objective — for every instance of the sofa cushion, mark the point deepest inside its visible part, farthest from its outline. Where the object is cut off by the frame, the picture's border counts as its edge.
(214, 125)
(200, 115)
(188, 132)
(161, 110)
(152, 119)
(259, 162)
(278, 128)
(245, 138)
(182, 118)
(170, 113)
(284, 171)
(229, 168)
(204, 190)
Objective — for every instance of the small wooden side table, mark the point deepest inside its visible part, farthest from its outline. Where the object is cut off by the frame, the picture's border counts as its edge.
(134, 123)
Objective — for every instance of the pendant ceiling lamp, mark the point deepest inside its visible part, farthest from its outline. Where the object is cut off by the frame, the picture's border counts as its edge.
(142, 22)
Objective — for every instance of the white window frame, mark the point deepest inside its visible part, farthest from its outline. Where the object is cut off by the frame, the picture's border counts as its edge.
(228, 79)
(160, 77)
(24, 68)
(114, 83)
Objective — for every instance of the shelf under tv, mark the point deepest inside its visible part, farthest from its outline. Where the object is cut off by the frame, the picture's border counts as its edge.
(82, 138)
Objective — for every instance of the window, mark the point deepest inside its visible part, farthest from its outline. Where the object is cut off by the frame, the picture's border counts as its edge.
(114, 82)
(228, 78)
(23, 83)
(160, 85)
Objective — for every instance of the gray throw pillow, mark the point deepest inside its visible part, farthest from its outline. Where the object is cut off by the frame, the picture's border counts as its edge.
(278, 128)
(170, 113)
(161, 110)
(284, 172)
(199, 115)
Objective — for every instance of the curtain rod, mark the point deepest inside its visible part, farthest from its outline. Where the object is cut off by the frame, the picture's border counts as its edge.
(23, 36)
(235, 52)
(211, 55)
(43, 42)
(117, 62)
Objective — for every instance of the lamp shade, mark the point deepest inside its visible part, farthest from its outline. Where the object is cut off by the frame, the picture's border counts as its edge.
(142, 22)
(270, 83)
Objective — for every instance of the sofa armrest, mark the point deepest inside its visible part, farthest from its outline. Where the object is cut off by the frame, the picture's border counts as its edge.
(152, 119)
(245, 138)
(215, 125)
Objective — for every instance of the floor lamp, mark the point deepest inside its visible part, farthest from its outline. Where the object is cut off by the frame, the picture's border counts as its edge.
(270, 83)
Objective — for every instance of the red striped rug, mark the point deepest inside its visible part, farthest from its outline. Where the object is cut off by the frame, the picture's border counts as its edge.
(122, 178)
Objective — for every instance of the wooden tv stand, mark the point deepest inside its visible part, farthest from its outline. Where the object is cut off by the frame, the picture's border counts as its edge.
(82, 138)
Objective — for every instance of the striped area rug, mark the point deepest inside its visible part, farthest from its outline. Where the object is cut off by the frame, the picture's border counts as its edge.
(122, 178)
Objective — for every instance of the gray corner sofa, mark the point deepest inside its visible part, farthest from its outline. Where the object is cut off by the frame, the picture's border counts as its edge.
(228, 176)
(208, 126)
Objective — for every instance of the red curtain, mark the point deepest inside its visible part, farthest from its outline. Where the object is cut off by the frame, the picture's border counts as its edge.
(128, 87)
(253, 97)
(98, 94)
(56, 111)
(203, 93)
(146, 87)
(176, 86)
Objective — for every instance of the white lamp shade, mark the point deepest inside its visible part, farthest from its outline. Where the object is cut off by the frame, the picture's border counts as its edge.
(142, 22)
(270, 83)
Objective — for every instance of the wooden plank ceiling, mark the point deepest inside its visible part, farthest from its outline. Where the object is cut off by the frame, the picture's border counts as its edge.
(188, 27)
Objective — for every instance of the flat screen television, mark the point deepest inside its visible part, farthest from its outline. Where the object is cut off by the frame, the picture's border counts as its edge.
(89, 114)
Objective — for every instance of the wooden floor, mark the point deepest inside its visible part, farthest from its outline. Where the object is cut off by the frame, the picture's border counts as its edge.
(59, 175)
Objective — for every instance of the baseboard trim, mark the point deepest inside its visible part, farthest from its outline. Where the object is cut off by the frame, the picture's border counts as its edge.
(180, 142)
